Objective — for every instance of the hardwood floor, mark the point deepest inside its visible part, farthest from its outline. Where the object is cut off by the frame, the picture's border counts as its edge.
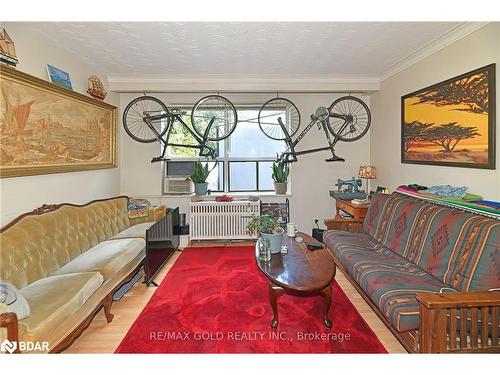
(102, 337)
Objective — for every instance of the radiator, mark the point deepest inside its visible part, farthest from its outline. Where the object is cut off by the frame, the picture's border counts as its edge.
(221, 220)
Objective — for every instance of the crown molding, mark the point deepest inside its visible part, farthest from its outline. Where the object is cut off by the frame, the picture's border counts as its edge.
(432, 47)
(246, 83)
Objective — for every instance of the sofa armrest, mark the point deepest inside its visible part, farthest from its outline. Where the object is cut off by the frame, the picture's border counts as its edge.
(8, 321)
(154, 214)
(459, 322)
(458, 299)
(346, 225)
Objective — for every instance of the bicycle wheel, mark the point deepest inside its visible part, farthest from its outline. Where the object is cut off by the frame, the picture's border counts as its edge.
(218, 109)
(353, 111)
(137, 111)
(275, 110)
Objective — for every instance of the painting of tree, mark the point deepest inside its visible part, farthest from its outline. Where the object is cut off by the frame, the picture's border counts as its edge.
(469, 94)
(448, 135)
(451, 123)
(415, 132)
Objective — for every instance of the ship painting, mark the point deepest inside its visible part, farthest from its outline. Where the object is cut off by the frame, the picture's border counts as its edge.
(41, 128)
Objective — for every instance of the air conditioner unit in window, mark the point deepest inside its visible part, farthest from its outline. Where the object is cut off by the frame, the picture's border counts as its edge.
(177, 185)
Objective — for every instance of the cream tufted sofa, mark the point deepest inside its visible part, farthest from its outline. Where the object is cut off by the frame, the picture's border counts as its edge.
(67, 261)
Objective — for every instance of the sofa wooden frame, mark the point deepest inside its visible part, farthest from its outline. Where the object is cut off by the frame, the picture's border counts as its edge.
(450, 322)
(9, 320)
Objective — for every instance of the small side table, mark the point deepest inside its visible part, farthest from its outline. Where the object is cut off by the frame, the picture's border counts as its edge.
(354, 223)
(356, 211)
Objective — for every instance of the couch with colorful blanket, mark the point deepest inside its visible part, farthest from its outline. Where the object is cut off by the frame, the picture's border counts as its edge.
(426, 269)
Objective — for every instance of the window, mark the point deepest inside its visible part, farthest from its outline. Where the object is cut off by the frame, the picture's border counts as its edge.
(244, 159)
(216, 178)
(248, 141)
(250, 176)
(179, 135)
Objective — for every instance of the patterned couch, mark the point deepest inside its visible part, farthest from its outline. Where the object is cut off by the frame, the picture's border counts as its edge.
(409, 247)
(67, 261)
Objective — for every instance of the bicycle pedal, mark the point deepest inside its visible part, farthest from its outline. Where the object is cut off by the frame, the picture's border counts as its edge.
(335, 158)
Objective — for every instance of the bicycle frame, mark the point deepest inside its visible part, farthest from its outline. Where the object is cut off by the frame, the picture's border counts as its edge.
(320, 120)
(205, 150)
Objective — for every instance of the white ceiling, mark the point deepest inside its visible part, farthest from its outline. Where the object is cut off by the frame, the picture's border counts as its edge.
(369, 48)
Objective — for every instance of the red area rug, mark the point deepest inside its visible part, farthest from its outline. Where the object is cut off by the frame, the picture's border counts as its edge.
(215, 300)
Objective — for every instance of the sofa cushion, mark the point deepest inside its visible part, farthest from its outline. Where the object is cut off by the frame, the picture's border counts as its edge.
(54, 299)
(393, 287)
(373, 215)
(388, 279)
(458, 248)
(135, 231)
(107, 258)
(338, 240)
(390, 219)
(352, 249)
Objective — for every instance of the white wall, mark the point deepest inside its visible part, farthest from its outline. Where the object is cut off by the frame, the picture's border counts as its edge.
(311, 176)
(21, 194)
(474, 51)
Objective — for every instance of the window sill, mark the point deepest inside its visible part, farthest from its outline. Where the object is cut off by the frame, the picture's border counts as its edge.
(239, 194)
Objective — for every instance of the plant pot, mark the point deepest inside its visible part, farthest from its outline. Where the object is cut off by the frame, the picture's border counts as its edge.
(280, 187)
(275, 240)
(201, 188)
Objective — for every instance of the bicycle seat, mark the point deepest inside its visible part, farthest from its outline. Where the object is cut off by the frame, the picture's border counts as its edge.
(322, 114)
(176, 111)
(335, 158)
(159, 158)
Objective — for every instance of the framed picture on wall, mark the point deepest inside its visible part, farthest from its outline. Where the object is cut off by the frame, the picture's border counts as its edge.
(48, 129)
(59, 77)
(451, 123)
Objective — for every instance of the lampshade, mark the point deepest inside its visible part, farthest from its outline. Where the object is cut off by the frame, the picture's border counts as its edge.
(367, 171)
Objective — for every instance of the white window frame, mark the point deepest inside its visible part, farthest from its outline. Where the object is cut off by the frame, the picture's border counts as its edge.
(225, 158)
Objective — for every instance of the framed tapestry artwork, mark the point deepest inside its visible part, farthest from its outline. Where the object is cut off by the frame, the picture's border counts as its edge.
(45, 128)
(451, 123)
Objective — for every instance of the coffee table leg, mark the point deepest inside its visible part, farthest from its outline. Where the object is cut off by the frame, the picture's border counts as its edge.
(274, 292)
(327, 298)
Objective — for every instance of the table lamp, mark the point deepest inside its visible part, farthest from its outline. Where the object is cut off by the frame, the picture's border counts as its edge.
(367, 172)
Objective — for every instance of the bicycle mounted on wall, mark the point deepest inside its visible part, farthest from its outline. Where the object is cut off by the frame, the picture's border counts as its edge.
(214, 118)
(147, 119)
(346, 119)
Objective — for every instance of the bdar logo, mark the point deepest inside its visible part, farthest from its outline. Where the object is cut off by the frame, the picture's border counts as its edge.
(8, 346)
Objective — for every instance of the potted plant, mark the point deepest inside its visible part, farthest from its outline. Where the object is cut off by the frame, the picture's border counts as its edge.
(280, 177)
(199, 178)
(268, 228)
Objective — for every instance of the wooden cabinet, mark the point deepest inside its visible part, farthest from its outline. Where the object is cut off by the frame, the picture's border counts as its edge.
(355, 215)
(356, 211)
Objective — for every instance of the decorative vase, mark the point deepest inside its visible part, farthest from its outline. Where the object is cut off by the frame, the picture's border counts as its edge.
(280, 188)
(201, 188)
(275, 240)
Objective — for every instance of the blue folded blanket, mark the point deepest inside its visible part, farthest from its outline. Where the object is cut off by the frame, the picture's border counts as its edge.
(447, 190)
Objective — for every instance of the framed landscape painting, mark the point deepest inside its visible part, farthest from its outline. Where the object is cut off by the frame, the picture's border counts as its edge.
(451, 123)
(45, 128)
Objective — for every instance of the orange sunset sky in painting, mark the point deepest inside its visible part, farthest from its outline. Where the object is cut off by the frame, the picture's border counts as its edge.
(429, 113)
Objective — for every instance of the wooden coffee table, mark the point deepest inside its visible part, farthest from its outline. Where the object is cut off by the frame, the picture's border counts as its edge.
(300, 272)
